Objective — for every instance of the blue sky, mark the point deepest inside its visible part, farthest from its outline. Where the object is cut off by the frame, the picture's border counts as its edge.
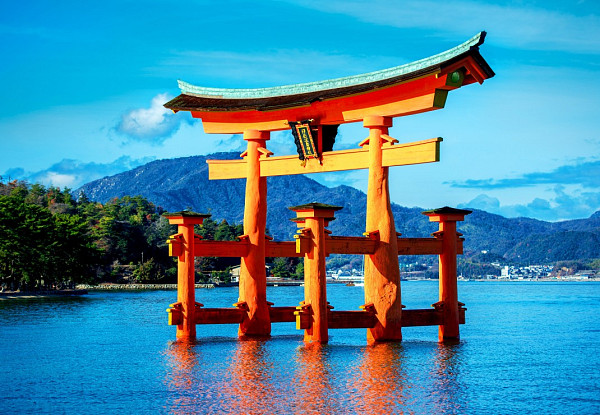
(83, 85)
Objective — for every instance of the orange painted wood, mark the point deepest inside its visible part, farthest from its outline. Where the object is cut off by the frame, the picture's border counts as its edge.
(422, 317)
(382, 274)
(417, 95)
(253, 277)
(419, 246)
(423, 103)
(282, 314)
(336, 319)
(447, 282)
(286, 249)
(219, 316)
(186, 274)
(426, 151)
(315, 286)
(175, 317)
(204, 248)
(303, 320)
(351, 319)
(350, 245)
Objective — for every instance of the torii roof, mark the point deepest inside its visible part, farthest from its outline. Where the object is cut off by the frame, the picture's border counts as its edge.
(335, 101)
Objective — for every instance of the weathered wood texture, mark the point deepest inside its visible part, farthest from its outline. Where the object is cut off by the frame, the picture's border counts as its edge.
(382, 275)
(253, 278)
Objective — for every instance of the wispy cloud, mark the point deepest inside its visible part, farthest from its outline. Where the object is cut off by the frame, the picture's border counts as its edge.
(525, 27)
(73, 173)
(586, 174)
(153, 124)
(564, 205)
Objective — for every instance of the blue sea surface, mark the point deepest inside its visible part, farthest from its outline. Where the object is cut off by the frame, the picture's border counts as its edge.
(527, 347)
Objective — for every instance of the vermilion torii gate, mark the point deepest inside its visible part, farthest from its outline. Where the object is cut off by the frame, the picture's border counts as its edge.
(314, 110)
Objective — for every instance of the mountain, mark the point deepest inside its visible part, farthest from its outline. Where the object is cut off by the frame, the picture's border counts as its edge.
(182, 183)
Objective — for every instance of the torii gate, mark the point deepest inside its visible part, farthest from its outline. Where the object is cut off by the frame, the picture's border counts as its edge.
(312, 109)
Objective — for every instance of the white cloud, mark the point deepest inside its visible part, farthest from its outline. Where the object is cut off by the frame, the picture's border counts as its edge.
(152, 124)
(74, 173)
(56, 179)
(566, 204)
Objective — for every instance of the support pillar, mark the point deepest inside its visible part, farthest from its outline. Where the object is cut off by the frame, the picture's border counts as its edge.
(314, 217)
(182, 245)
(253, 277)
(448, 299)
(382, 273)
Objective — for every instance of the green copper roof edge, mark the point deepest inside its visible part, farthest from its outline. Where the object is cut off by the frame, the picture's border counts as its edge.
(240, 93)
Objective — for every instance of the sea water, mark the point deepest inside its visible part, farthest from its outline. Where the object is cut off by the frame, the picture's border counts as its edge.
(527, 347)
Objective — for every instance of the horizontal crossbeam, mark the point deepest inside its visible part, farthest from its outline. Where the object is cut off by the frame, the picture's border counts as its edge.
(234, 249)
(335, 319)
(427, 151)
(350, 245)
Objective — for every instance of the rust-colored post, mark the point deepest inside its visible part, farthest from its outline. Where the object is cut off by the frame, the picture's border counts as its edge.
(253, 276)
(382, 273)
(315, 217)
(448, 300)
(182, 245)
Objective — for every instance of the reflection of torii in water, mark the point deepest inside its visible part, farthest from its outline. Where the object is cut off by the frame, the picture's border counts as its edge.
(313, 111)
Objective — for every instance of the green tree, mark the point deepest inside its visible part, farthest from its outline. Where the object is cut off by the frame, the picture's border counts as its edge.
(285, 267)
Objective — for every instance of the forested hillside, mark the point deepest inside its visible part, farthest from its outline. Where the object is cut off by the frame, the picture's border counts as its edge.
(49, 240)
(180, 183)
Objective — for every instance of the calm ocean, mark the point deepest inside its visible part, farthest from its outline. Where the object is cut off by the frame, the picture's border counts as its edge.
(527, 347)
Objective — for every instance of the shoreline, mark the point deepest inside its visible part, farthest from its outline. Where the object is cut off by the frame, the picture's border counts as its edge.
(84, 289)
(136, 287)
(10, 295)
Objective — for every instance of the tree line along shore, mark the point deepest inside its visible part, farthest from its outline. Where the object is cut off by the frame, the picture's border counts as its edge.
(50, 240)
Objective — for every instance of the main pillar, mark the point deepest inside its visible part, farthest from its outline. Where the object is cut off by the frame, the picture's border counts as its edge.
(314, 217)
(382, 273)
(182, 245)
(253, 277)
(447, 218)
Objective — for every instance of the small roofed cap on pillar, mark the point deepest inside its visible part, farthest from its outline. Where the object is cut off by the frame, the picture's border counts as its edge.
(314, 210)
(186, 216)
(448, 213)
(315, 206)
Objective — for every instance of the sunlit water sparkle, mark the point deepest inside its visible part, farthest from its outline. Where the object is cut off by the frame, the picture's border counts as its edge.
(527, 347)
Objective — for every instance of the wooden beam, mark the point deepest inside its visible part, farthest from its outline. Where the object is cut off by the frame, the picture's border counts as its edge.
(221, 248)
(422, 317)
(350, 245)
(427, 317)
(423, 246)
(424, 103)
(426, 151)
(335, 319)
(419, 246)
(357, 245)
(219, 315)
(282, 314)
(351, 319)
(286, 249)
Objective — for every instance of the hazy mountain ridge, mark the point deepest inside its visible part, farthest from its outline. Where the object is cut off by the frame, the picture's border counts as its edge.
(176, 184)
